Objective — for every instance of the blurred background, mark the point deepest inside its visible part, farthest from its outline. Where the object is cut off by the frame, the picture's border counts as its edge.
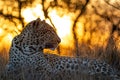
(87, 28)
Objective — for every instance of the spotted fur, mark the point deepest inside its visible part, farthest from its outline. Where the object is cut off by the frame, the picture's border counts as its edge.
(79, 65)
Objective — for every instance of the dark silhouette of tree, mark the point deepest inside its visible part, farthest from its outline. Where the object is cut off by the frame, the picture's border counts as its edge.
(82, 10)
(115, 4)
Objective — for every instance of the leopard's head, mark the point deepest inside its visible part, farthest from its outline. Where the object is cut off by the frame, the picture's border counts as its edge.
(36, 36)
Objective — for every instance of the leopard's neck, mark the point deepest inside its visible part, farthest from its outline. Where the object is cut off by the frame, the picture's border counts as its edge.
(17, 48)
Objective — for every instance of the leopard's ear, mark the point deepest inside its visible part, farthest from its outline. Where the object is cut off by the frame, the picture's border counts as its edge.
(42, 24)
(38, 19)
(36, 23)
(43, 21)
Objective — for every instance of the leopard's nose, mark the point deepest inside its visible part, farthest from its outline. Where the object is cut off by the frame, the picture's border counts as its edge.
(58, 40)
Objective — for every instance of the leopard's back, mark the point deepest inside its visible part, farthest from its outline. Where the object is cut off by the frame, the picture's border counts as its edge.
(79, 65)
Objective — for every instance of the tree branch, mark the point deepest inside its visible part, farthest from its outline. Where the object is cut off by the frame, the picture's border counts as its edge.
(112, 5)
(74, 27)
(19, 10)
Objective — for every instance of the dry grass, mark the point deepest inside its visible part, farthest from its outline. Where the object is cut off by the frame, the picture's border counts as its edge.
(3, 60)
(35, 75)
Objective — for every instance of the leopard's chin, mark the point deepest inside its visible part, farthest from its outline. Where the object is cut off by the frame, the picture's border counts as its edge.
(51, 46)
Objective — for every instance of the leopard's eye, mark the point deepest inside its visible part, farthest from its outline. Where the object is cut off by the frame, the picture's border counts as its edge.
(32, 47)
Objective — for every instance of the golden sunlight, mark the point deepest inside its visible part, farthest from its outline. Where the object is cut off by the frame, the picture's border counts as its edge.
(80, 29)
(113, 1)
(62, 23)
(30, 14)
(1, 31)
(63, 26)
(6, 41)
(9, 37)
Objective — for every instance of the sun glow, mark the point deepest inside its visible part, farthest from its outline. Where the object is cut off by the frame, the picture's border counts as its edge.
(30, 14)
(62, 23)
(9, 37)
(1, 31)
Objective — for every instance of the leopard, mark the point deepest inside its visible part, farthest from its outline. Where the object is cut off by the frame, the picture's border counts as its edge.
(27, 51)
